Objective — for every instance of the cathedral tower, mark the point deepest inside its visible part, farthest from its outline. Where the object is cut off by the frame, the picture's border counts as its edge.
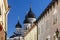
(17, 35)
(30, 18)
(3, 18)
(18, 28)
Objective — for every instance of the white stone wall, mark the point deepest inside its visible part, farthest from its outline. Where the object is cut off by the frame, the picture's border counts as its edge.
(49, 28)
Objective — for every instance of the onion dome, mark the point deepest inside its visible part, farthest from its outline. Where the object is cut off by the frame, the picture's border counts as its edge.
(30, 14)
(18, 25)
(26, 21)
(12, 36)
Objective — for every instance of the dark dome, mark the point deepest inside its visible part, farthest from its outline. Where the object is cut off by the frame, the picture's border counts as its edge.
(26, 21)
(18, 25)
(12, 36)
(30, 14)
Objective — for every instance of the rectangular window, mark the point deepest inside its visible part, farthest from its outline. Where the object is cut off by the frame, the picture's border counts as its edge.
(0, 11)
(54, 18)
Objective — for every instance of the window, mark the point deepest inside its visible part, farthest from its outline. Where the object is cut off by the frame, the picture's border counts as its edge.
(0, 11)
(0, 27)
(54, 18)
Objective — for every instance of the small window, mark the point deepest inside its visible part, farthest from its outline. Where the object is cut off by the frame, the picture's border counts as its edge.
(55, 16)
(54, 19)
(0, 11)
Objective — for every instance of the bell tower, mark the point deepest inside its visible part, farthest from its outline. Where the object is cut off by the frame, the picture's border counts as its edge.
(3, 18)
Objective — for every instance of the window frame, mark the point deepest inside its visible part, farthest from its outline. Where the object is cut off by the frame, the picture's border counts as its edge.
(0, 10)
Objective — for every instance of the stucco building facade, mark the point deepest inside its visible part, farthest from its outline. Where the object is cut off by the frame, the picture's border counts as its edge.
(32, 35)
(3, 18)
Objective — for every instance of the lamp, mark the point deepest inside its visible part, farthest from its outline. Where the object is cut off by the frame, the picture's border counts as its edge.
(57, 33)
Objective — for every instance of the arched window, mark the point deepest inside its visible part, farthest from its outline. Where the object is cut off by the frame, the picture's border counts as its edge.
(0, 27)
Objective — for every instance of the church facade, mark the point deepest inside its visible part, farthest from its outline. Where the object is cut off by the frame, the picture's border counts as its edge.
(46, 27)
(29, 32)
(3, 18)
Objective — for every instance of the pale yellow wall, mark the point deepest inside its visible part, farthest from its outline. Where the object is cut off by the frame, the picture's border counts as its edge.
(3, 18)
(32, 35)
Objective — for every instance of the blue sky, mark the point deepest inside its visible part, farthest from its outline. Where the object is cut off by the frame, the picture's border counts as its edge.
(20, 8)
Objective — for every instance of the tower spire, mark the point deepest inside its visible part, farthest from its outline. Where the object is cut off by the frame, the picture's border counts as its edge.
(18, 18)
(18, 25)
(30, 4)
